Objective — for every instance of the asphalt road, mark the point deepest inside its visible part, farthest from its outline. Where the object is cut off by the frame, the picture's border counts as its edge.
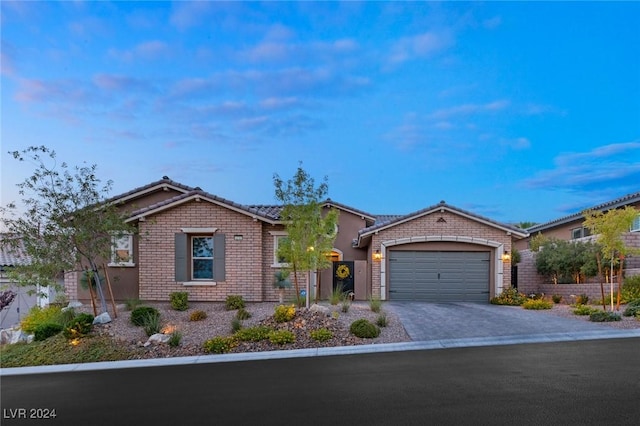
(581, 382)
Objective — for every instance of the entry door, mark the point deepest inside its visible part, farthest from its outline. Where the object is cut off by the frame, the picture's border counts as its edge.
(343, 276)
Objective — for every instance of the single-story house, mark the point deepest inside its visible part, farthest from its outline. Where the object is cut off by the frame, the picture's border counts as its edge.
(211, 247)
(571, 228)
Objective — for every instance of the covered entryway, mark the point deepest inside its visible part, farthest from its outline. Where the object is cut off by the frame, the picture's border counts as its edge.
(439, 276)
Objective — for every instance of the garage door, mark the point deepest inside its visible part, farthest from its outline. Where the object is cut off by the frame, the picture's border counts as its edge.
(439, 276)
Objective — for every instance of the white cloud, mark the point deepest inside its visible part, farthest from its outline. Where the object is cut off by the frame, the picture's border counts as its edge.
(423, 45)
(614, 167)
(149, 50)
(469, 109)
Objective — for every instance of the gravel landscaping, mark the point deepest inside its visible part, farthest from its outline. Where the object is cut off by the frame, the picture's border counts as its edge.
(566, 311)
(219, 323)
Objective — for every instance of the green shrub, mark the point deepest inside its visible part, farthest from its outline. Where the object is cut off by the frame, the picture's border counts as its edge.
(321, 334)
(364, 328)
(582, 299)
(236, 325)
(345, 305)
(336, 295)
(604, 316)
(632, 309)
(233, 302)
(509, 296)
(284, 313)
(219, 344)
(46, 330)
(66, 316)
(38, 316)
(253, 334)
(139, 315)
(584, 310)
(630, 289)
(382, 320)
(80, 325)
(281, 337)
(151, 324)
(174, 338)
(557, 298)
(179, 300)
(537, 304)
(131, 304)
(243, 314)
(375, 304)
(197, 316)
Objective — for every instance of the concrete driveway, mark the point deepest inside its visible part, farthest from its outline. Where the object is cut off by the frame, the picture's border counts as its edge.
(436, 321)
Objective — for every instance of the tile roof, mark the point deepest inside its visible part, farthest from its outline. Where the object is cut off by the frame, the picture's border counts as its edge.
(613, 204)
(142, 189)
(272, 211)
(12, 251)
(391, 220)
(196, 193)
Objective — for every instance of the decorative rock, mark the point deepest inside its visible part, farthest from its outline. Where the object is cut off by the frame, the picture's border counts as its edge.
(103, 318)
(319, 309)
(72, 305)
(14, 335)
(157, 338)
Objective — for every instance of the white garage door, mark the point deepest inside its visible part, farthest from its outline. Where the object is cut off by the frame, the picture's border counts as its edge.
(439, 276)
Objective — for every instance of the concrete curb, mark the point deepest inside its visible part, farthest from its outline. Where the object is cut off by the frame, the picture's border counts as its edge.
(333, 351)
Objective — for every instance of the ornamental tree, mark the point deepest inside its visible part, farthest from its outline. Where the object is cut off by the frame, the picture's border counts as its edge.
(609, 227)
(566, 261)
(310, 232)
(65, 222)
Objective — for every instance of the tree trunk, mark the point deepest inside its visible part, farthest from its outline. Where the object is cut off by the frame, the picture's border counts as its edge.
(296, 287)
(619, 287)
(599, 261)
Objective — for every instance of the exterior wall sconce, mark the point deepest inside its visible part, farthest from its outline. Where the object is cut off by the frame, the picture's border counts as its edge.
(506, 256)
(377, 256)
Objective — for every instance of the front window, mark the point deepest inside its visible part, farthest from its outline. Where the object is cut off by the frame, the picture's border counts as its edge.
(580, 233)
(635, 226)
(122, 250)
(202, 257)
(280, 238)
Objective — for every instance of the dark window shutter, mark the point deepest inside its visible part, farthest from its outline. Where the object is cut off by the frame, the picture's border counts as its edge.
(181, 258)
(218, 257)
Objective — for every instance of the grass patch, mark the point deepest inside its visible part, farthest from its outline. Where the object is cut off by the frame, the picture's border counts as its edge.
(58, 350)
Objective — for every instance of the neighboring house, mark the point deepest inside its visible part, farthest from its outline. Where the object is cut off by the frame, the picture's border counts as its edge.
(571, 228)
(211, 247)
(22, 301)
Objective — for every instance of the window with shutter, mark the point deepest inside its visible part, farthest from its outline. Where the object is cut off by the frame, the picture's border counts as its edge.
(199, 258)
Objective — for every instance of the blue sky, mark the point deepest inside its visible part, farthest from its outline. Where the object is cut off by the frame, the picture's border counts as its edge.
(515, 111)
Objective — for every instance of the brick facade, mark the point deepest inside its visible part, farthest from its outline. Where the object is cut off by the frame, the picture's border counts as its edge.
(447, 231)
(244, 274)
(529, 281)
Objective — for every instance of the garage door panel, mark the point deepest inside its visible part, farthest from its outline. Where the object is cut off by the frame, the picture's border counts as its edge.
(439, 276)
